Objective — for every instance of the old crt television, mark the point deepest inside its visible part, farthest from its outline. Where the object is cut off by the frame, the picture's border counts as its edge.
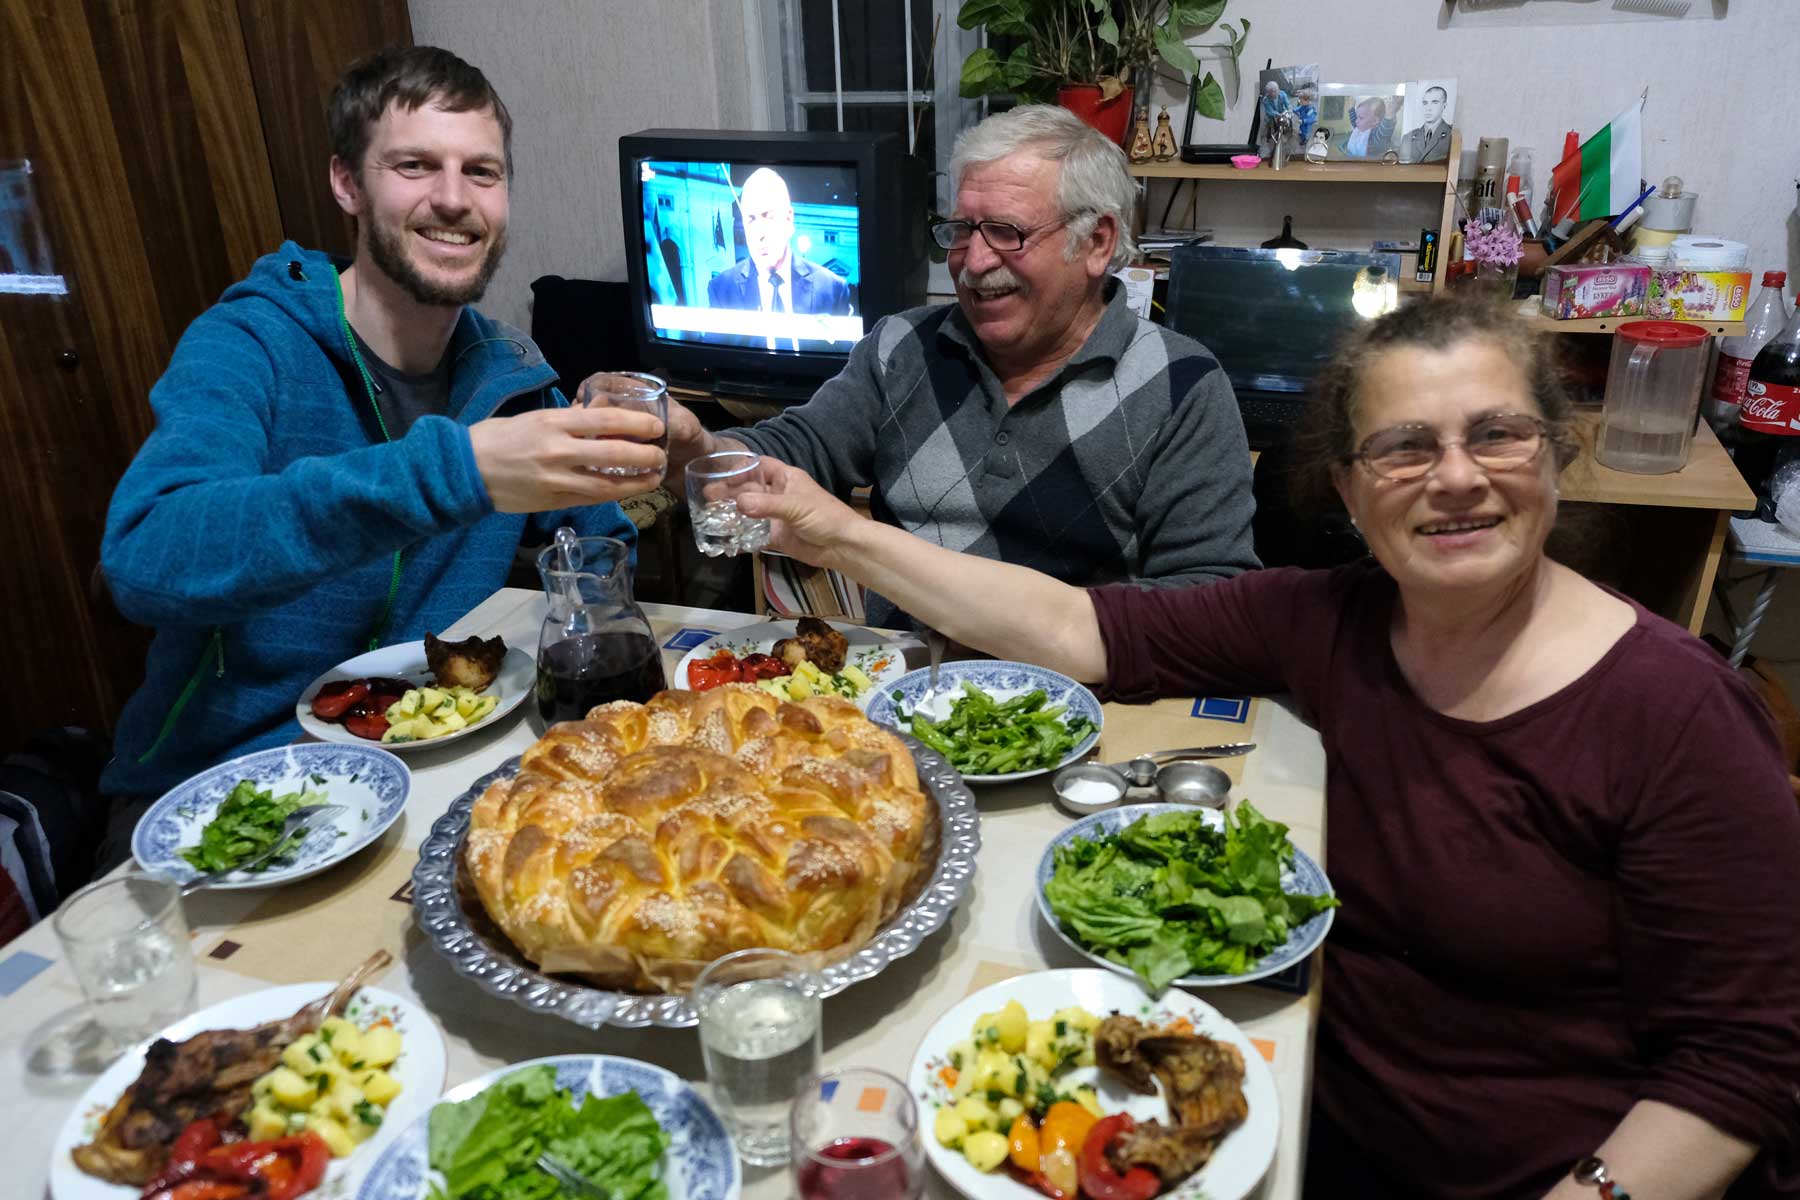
(768, 302)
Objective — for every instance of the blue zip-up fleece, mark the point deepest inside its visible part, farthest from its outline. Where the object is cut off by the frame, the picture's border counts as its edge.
(267, 507)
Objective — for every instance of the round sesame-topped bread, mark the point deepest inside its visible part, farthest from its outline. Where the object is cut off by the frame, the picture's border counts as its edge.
(639, 844)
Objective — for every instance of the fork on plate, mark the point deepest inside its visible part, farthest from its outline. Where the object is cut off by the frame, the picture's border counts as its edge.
(571, 1179)
(294, 830)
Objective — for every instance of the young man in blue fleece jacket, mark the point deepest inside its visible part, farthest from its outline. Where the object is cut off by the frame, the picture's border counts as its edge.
(347, 457)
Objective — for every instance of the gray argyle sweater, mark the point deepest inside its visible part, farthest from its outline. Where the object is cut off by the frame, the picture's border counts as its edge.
(1129, 464)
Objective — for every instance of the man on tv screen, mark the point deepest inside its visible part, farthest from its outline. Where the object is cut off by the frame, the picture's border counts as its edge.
(773, 278)
(348, 455)
(1037, 420)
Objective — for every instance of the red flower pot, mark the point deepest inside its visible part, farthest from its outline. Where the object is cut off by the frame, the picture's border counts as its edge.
(1110, 117)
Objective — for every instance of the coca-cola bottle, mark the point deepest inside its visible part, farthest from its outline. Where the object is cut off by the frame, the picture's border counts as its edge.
(1769, 418)
(1761, 324)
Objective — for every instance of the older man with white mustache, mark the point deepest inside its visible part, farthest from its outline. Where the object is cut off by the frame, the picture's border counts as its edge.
(1037, 420)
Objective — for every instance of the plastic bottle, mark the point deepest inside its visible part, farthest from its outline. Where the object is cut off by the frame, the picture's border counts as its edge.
(1761, 323)
(1769, 418)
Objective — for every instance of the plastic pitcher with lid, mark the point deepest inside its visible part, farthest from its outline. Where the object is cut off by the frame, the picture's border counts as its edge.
(1652, 396)
(596, 644)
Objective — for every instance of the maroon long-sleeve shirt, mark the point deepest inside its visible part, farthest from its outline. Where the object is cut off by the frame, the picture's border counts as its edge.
(1546, 917)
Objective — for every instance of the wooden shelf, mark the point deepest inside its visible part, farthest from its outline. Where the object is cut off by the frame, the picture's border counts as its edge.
(1710, 480)
(1299, 172)
(1610, 324)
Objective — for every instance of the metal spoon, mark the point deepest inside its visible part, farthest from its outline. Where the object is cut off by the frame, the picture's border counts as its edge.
(301, 821)
(934, 645)
(1141, 771)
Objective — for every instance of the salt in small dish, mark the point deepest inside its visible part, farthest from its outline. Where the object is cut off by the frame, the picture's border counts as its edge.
(1088, 788)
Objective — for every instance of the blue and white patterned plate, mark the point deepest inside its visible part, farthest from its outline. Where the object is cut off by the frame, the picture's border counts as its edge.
(367, 781)
(1000, 679)
(700, 1163)
(1303, 875)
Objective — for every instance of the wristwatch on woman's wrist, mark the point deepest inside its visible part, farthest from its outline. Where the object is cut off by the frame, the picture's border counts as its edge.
(1592, 1172)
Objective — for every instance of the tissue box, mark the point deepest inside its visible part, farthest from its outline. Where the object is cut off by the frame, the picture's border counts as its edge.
(1576, 291)
(1700, 295)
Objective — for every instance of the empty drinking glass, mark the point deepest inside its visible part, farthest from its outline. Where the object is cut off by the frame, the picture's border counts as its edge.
(628, 389)
(855, 1135)
(759, 1035)
(127, 942)
(714, 482)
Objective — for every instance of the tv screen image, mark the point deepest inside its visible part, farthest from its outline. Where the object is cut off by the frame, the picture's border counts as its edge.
(747, 254)
(757, 259)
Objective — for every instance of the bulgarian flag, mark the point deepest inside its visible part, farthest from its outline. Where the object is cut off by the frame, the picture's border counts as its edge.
(1604, 176)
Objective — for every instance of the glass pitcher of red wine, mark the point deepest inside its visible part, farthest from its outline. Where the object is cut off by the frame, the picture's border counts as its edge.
(596, 644)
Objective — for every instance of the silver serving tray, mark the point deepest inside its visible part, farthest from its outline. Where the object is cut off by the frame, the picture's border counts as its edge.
(497, 967)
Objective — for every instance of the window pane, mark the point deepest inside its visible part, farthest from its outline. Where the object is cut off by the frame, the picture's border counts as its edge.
(870, 32)
(877, 118)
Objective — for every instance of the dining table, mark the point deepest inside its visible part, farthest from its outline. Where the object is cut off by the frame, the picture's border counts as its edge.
(317, 929)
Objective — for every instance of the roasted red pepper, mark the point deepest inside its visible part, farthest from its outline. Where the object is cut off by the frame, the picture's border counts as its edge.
(364, 724)
(334, 698)
(1037, 1181)
(1098, 1179)
(763, 666)
(203, 1167)
(722, 667)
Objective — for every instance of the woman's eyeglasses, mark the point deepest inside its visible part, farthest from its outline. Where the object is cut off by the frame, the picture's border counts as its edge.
(999, 235)
(1499, 443)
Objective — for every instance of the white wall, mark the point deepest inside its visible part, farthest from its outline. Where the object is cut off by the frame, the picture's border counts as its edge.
(577, 75)
(1720, 114)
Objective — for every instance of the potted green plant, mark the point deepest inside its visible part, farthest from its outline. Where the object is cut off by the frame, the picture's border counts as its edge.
(1082, 53)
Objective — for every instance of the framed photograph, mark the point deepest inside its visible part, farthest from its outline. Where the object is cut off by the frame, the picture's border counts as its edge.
(1358, 121)
(1291, 91)
(1429, 113)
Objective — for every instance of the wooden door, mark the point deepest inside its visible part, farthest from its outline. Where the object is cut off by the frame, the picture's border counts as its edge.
(137, 180)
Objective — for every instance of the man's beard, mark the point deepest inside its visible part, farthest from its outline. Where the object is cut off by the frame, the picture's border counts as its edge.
(387, 249)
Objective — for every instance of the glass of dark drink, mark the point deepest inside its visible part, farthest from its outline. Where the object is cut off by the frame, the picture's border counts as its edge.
(628, 389)
(596, 644)
(855, 1136)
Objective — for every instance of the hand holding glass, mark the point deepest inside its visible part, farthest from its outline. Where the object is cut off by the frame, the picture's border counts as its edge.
(126, 939)
(714, 482)
(759, 1035)
(628, 389)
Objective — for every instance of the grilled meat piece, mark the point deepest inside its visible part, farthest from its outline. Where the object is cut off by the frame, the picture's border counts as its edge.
(208, 1074)
(1202, 1080)
(815, 642)
(471, 663)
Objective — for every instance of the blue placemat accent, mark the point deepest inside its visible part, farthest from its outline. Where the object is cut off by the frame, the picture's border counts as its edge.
(687, 637)
(1223, 708)
(19, 969)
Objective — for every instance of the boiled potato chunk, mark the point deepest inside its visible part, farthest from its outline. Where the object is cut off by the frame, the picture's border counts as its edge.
(265, 1122)
(976, 1114)
(344, 1098)
(290, 1088)
(949, 1127)
(1013, 1024)
(995, 1072)
(378, 1087)
(985, 1150)
(303, 1055)
(334, 1135)
(343, 1038)
(380, 1045)
(1007, 1110)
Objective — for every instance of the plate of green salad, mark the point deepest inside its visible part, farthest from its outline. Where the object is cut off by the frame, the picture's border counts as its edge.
(1175, 894)
(995, 721)
(637, 1130)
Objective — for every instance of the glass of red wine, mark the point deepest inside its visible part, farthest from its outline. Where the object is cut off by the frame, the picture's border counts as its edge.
(855, 1136)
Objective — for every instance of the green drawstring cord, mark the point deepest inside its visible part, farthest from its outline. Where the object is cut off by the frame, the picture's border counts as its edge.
(215, 648)
(387, 609)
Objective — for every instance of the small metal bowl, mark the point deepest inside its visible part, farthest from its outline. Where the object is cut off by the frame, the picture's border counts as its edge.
(1193, 783)
(1089, 788)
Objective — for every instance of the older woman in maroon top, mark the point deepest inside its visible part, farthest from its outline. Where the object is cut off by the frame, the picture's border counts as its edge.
(1560, 826)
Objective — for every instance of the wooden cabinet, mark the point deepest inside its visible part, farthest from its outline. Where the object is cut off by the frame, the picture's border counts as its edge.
(150, 150)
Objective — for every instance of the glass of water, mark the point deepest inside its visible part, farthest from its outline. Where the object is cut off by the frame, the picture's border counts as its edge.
(759, 1035)
(628, 389)
(714, 482)
(126, 939)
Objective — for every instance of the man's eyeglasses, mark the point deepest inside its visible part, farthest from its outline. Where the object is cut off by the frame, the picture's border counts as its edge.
(999, 235)
(1499, 443)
